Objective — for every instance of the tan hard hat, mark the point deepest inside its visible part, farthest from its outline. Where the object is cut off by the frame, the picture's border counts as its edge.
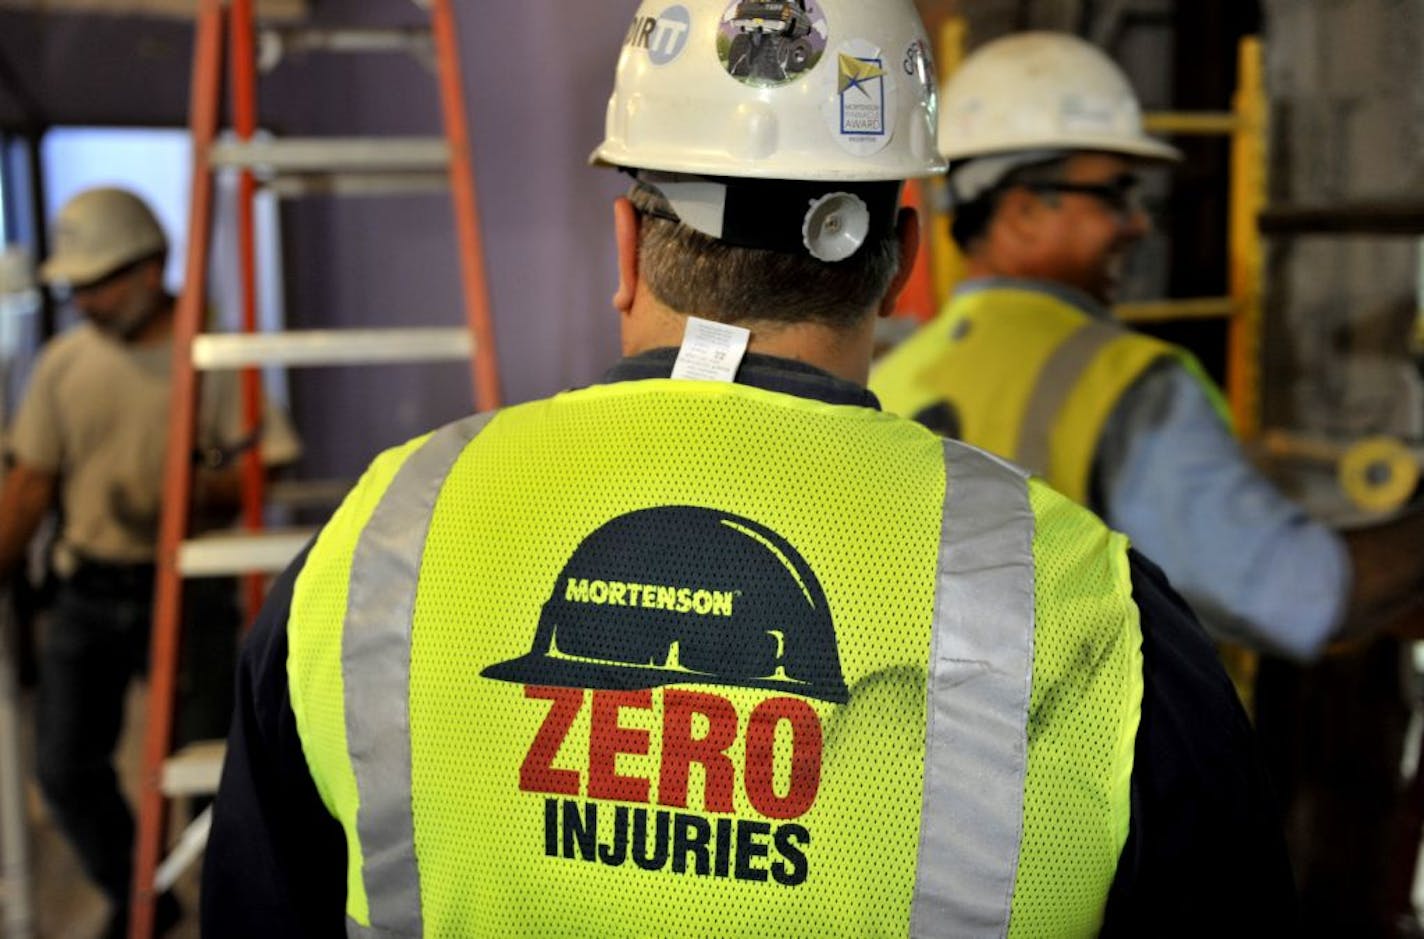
(96, 233)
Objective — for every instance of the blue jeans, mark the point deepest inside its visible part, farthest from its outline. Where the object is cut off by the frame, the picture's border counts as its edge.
(95, 643)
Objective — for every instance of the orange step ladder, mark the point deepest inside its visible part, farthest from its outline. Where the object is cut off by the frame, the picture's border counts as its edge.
(290, 167)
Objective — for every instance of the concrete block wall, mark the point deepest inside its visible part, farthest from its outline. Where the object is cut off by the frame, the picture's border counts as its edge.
(1347, 91)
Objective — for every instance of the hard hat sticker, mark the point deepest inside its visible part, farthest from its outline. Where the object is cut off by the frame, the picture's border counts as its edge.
(765, 43)
(682, 594)
(861, 109)
(1088, 114)
(664, 35)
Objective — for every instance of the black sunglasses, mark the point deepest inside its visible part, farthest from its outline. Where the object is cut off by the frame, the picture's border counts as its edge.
(1121, 195)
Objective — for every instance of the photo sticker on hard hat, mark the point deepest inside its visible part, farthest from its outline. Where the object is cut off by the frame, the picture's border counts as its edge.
(684, 595)
(664, 35)
(861, 109)
(771, 42)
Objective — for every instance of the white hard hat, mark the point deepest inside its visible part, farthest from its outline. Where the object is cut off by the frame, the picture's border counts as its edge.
(775, 89)
(99, 231)
(1042, 91)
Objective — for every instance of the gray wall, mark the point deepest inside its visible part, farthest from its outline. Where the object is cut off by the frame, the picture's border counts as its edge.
(1347, 91)
(536, 78)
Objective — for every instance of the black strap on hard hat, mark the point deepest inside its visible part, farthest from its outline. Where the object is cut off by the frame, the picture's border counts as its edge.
(769, 214)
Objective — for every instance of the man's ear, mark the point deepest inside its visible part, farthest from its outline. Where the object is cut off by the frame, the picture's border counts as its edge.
(153, 274)
(907, 232)
(625, 234)
(1018, 211)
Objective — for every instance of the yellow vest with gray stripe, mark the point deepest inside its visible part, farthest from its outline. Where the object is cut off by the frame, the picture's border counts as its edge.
(1024, 374)
(691, 658)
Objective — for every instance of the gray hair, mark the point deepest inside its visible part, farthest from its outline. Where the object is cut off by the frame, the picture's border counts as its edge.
(698, 275)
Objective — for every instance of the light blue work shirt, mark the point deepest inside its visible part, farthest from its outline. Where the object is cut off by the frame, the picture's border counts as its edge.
(1253, 564)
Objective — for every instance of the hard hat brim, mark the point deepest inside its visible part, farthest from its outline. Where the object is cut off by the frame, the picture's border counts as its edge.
(536, 668)
(615, 158)
(73, 272)
(1144, 148)
(77, 271)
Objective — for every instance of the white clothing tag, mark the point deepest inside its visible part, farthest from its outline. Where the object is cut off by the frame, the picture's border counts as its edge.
(710, 351)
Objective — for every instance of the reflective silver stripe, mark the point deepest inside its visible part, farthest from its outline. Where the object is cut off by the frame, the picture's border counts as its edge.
(375, 669)
(355, 930)
(1060, 374)
(981, 672)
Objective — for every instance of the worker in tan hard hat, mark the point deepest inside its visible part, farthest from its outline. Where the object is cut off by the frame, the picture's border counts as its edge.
(715, 647)
(1045, 142)
(108, 253)
(89, 438)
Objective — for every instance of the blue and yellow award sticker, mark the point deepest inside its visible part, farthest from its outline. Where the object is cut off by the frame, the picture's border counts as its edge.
(663, 36)
(861, 112)
(766, 43)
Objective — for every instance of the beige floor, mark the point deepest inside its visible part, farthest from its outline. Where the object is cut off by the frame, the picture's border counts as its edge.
(65, 904)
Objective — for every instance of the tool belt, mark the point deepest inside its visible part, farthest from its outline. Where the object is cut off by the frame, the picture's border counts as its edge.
(111, 579)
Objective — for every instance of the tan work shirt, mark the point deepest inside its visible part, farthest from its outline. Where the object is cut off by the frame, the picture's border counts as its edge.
(96, 413)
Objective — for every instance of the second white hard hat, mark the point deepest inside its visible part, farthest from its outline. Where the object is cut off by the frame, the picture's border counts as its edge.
(99, 231)
(1039, 91)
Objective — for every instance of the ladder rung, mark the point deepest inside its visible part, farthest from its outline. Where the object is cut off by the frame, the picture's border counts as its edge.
(228, 553)
(293, 185)
(307, 493)
(190, 847)
(276, 43)
(1157, 311)
(332, 347)
(1191, 123)
(331, 153)
(195, 769)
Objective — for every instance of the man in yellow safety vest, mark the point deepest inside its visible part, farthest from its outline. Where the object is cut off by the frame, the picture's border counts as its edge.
(715, 647)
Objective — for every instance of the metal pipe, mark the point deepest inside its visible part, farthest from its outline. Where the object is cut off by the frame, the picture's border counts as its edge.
(1405, 217)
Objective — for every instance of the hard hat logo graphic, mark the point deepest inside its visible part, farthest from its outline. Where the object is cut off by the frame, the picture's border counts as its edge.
(684, 595)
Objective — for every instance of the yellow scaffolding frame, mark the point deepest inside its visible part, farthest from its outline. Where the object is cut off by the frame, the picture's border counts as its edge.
(948, 263)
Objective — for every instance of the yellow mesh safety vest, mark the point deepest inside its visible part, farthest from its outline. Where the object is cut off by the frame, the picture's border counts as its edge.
(1024, 374)
(666, 658)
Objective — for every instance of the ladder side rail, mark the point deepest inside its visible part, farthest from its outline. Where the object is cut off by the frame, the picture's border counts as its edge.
(243, 65)
(946, 260)
(1246, 256)
(16, 883)
(166, 636)
(467, 224)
